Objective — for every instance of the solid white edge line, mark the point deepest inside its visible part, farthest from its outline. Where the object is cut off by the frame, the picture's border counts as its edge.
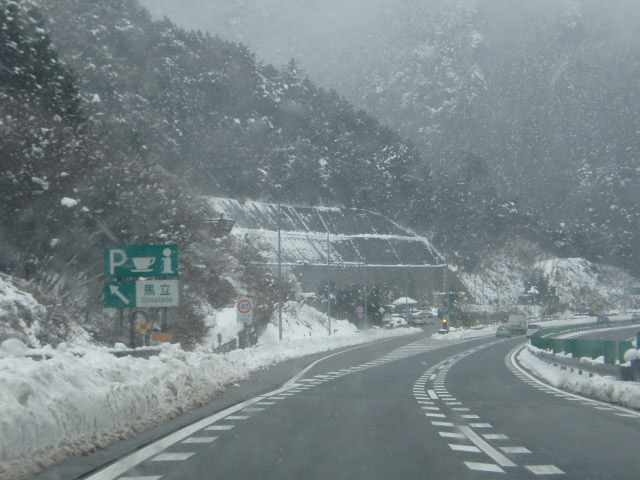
(122, 465)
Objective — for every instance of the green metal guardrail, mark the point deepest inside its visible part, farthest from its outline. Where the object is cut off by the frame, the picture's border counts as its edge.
(578, 348)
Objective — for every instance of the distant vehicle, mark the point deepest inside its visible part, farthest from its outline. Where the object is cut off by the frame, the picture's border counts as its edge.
(397, 321)
(532, 328)
(417, 319)
(517, 329)
(443, 331)
(504, 331)
(518, 323)
(602, 320)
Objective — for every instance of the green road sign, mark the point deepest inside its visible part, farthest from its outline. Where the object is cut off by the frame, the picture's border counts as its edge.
(148, 293)
(119, 294)
(141, 261)
(634, 291)
(445, 310)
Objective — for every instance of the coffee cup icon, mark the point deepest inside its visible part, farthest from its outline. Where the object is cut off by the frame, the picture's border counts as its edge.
(142, 264)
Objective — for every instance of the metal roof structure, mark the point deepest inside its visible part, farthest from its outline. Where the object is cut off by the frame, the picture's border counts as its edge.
(348, 235)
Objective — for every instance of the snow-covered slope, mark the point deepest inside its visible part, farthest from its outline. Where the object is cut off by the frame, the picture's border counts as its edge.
(23, 316)
(580, 283)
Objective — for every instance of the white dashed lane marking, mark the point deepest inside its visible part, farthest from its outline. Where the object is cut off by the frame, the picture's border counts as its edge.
(199, 440)
(495, 436)
(484, 467)
(436, 423)
(464, 448)
(544, 469)
(172, 457)
(148, 477)
(219, 427)
(462, 432)
(518, 371)
(514, 450)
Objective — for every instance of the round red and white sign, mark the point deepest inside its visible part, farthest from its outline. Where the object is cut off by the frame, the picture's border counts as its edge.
(244, 306)
(360, 310)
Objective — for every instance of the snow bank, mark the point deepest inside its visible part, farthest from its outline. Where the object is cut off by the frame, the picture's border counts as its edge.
(608, 389)
(461, 333)
(21, 314)
(54, 409)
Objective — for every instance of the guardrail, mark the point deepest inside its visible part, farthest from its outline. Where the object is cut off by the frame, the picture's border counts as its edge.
(612, 351)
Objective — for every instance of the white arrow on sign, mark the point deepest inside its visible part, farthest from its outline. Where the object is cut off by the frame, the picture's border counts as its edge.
(115, 290)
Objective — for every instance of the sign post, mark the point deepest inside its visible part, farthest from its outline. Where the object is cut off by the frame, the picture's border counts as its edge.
(245, 310)
(143, 262)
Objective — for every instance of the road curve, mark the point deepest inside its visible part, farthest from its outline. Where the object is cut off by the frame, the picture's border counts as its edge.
(409, 408)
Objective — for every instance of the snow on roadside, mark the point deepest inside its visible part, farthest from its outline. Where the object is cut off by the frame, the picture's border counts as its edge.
(461, 333)
(20, 313)
(54, 409)
(605, 388)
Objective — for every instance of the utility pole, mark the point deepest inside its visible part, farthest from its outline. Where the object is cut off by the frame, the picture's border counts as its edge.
(446, 284)
(366, 310)
(406, 294)
(279, 278)
(328, 284)
(475, 290)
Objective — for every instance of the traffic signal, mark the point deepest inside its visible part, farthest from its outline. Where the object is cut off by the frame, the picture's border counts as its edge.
(444, 323)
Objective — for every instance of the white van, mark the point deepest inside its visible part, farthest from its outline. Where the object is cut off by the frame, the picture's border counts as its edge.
(532, 328)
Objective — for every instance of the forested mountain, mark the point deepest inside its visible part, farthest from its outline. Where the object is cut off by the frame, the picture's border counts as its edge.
(113, 123)
(207, 111)
(545, 93)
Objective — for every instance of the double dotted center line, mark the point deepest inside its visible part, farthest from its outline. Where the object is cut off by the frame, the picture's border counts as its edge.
(458, 424)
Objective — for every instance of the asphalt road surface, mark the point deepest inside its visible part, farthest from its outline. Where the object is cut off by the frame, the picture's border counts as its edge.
(617, 334)
(411, 408)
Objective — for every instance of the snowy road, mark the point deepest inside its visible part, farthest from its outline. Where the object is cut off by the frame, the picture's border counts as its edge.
(406, 408)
